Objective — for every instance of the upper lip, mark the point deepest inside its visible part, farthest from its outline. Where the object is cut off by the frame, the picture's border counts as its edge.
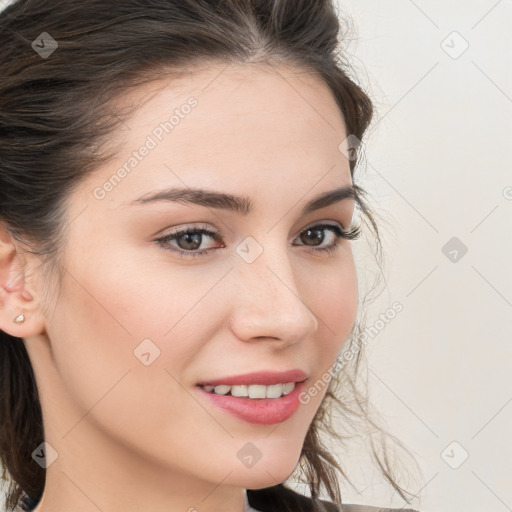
(266, 378)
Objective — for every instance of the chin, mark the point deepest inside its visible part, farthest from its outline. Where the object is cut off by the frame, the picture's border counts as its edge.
(263, 475)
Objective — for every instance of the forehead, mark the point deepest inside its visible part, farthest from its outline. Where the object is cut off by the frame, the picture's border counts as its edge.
(234, 96)
(229, 127)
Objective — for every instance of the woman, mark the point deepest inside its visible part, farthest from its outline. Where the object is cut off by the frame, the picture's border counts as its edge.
(177, 205)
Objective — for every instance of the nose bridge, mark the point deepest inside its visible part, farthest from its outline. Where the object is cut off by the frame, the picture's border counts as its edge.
(269, 301)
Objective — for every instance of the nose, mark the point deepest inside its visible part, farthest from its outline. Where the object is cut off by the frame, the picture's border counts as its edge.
(269, 302)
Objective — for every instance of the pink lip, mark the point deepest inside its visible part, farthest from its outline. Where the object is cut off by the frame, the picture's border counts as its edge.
(264, 377)
(262, 411)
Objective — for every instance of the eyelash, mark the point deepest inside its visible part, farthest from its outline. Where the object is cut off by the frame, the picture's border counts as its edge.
(350, 234)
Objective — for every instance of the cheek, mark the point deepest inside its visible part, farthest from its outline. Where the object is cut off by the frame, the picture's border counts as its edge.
(105, 326)
(108, 318)
(92, 340)
(335, 305)
(333, 299)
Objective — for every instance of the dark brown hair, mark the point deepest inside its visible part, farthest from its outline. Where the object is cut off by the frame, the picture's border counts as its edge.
(56, 114)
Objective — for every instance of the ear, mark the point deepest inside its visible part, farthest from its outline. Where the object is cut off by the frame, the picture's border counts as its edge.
(17, 294)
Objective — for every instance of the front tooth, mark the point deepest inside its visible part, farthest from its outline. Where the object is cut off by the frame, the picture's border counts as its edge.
(274, 391)
(288, 387)
(257, 391)
(222, 389)
(239, 390)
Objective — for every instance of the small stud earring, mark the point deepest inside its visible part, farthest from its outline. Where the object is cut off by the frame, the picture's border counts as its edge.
(19, 319)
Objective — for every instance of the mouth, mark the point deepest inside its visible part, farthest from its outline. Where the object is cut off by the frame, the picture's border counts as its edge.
(255, 403)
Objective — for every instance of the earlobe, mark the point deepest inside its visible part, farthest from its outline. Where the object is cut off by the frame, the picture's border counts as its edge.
(19, 310)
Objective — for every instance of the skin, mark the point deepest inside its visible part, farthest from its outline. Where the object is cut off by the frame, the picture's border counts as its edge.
(133, 437)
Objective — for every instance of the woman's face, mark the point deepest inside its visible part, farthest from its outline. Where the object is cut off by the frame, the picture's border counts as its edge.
(137, 324)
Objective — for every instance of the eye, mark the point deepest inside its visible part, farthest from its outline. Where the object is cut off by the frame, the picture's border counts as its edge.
(337, 232)
(189, 240)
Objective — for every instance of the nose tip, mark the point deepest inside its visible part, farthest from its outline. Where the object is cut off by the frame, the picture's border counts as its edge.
(271, 307)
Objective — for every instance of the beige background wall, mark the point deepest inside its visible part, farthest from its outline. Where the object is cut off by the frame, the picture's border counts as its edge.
(439, 165)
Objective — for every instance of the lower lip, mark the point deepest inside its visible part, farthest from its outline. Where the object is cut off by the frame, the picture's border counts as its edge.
(263, 411)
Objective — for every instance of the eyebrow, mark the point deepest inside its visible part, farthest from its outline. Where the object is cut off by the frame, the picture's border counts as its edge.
(238, 204)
